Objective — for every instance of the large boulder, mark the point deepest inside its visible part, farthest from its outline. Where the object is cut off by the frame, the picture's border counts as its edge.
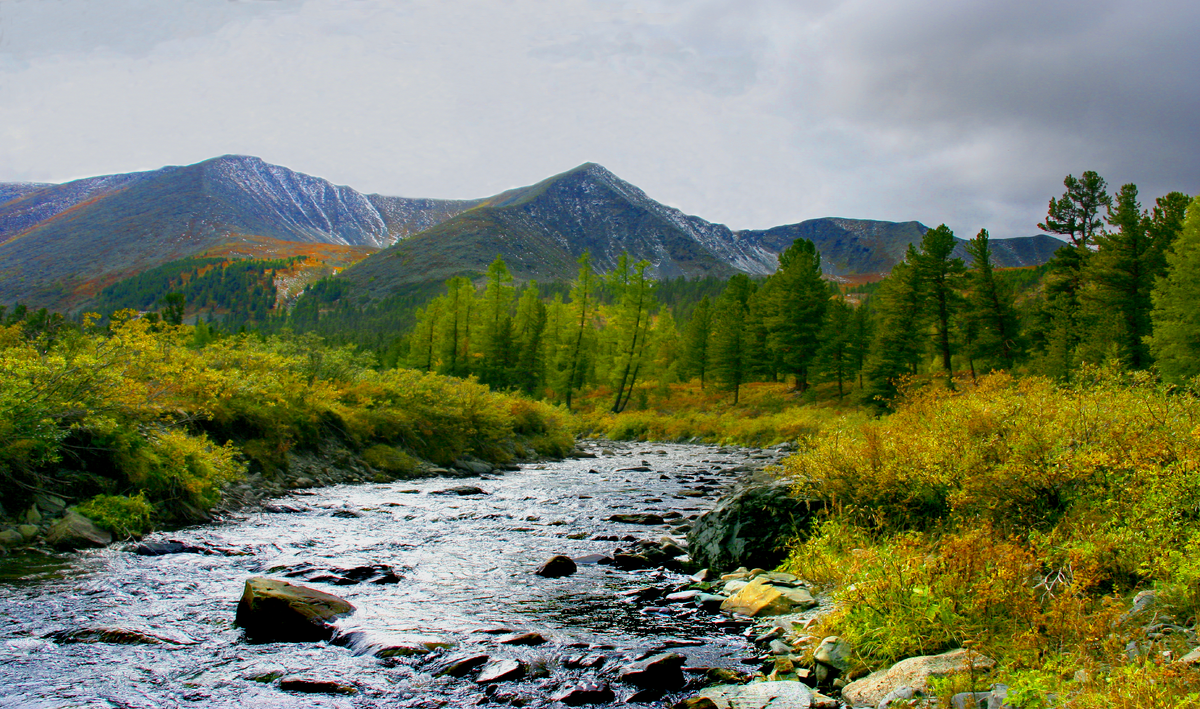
(663, 671)
(750, 527)
(763, 695)
(759, 598)
(278, 611)
(75, 531)
(915, 672)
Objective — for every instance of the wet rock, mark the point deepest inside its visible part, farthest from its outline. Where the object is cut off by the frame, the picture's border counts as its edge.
(557, 566)
(272, 610)
(637, 518)
(310, 685)
(283, 508)
(662, 672)
(389, 644)
(775, 695)
(601, 559)
(368, 573)
(461, 490)
(120, 636)
(530, 638)
(759, 598)
(631, 562)
(750, 526)
(458, 666)
(501, 671)
(50, 504)
(584, 662)
(914, 672)
(585, 693)
(75, 531)
(473, 466)
(165, 548)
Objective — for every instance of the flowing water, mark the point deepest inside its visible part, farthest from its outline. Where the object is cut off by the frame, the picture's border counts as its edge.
(465, 565)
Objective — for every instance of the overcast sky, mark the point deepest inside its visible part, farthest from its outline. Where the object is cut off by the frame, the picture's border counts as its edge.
(752, 113)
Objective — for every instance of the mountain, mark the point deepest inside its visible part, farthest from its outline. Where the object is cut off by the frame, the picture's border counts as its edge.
(60, 243)
(541, 230)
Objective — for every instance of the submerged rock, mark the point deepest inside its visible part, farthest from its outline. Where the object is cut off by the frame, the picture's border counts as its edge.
(501, 671)
(557, 566)
(165, 548)
(120, 636)
(637, 518)
(460, 490)
(458, 666)
(311, 685)
(75, 531)
(585, 693)
(272, 610)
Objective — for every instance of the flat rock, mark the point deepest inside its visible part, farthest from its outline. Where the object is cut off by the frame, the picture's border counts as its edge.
(585, 693)
(459, 665)
(637, 518)
(120, 636)
(272, 610)
(74, 531)
(461, 490)
(310, 685)
(501, 671)
(662, 671)
(165, 548)
(530, 638)
(775, 695)
(759, 598)
(342, 576)
(914, 672)
(557, 566)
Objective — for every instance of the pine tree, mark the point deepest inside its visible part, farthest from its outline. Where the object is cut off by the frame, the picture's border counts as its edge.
(990, 316)
(1175, 343)
(896, 348)
(731, 363)
(796, 298)
(696, 339)
(941, 276)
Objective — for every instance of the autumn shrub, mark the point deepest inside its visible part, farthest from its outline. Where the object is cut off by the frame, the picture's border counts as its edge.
(126, 517)
(390, 460)
(1018, 514)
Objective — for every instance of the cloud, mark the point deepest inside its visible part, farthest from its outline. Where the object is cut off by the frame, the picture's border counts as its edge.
(753, 113)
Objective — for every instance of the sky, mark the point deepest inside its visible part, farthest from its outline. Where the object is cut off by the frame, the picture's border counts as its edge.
(751, 113)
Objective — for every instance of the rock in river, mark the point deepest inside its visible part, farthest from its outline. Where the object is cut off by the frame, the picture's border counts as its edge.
(662, 671)
(759, 598)
(637, 518)
(586, 693)
(558, 565)
(501, 671)
(74, 531)
(461, 490)
(749, 527)
(277, 611)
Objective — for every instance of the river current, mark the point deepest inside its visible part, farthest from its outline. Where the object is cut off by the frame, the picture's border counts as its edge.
(465, 568)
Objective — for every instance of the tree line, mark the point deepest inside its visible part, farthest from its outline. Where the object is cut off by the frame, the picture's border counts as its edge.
(1113, 293)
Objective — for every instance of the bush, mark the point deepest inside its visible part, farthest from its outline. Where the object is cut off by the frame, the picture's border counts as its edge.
(389, 460)
(127, 517)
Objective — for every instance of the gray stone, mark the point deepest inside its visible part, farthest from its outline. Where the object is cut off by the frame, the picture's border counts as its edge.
(972, 700)
(74, 531)
(750, 526)
(278, 611)
(833, 651)
(778, 647)
(763, 695)
(915, 672)
(501, 671)
(474, 466)
(897, 695)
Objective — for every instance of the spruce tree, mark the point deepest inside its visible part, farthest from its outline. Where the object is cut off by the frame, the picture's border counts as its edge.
(1175, 342)
(941, 276)
(896, 348)
(835, 356)
(696, 339)
(990, 316)
(796, 298)
(731, 361)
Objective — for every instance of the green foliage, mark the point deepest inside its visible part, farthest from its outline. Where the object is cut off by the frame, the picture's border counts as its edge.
(390, 460)
(1175, 343)
(126, 517)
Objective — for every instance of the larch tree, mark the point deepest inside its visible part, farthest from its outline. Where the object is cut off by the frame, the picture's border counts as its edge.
(633, 292)
(583, 309)
(1175, 342)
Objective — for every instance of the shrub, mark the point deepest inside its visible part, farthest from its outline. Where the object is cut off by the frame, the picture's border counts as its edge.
(390, 460)
(127, 517)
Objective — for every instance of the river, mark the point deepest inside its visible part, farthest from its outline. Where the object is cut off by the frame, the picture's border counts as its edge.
(463, 571)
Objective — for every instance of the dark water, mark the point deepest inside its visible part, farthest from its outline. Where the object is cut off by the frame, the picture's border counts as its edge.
(466, 564)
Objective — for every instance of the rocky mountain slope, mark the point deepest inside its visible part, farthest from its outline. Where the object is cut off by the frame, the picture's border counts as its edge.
(59, 244)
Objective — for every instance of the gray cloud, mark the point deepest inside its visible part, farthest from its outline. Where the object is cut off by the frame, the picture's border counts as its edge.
(754, 113)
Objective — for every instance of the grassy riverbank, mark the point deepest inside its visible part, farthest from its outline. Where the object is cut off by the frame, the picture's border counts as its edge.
(154, 419)
(1017, 517)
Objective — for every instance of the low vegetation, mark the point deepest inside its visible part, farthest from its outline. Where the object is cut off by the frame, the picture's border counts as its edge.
(153, 419)
(1018, 517)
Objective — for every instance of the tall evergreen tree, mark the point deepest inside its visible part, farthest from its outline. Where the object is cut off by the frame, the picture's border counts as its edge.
(731, 359)
(696, 339)
(1121, 276)
(941, 276)
(796, 300)
(896, 348)
(990, 315)
(835, 356)
(1175, 343)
